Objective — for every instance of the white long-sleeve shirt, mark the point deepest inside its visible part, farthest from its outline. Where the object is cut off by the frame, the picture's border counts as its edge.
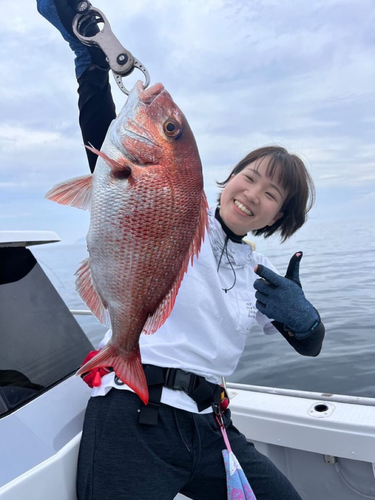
(207, 329)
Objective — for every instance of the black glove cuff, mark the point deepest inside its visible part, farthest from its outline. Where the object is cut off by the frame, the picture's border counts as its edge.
(307, 333)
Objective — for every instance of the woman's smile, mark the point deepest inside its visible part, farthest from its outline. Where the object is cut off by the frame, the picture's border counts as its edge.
(241, 207)
(251, 200)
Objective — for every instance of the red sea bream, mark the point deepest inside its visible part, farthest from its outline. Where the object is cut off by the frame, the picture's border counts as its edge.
(148, 219)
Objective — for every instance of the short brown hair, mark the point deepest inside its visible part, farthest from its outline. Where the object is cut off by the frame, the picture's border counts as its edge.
(293, 177)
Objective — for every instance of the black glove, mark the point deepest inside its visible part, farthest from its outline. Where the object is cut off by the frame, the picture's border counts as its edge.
(283, 300)
(60, 13)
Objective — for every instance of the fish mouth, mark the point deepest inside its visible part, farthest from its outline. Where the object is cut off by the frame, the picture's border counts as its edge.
(148, 95)
(131, 129)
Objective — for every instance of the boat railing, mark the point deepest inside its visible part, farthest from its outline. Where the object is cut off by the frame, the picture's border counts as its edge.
(81, 312)
(338, 398)
(231, 386)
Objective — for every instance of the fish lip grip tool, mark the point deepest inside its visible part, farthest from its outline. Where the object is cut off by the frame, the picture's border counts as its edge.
(120, 60)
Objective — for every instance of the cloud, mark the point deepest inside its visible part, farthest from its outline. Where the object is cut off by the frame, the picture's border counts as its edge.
(18, 138)
(246, 74)
(14, 216)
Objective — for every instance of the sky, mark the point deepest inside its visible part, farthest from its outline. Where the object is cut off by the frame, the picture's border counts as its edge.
(245, 73)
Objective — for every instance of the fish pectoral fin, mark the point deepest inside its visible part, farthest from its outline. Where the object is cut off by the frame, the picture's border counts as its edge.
(86, 289)
(119, 169)
(155, 321)
(126, 365)
(75, 192)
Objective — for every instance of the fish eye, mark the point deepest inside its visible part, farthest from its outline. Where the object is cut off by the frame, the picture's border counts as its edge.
(172, 128)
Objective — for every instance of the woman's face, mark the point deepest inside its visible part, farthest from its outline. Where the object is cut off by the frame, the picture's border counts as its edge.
(251, 200)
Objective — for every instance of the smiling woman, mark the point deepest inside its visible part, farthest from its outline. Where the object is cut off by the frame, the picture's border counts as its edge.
(273, 193)
(251, 200)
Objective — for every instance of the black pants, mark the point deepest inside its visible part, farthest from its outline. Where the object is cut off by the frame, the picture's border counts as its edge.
(121, 459)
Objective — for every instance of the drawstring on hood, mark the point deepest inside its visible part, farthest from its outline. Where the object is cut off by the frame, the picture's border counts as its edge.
(230, 235)
(225, 248)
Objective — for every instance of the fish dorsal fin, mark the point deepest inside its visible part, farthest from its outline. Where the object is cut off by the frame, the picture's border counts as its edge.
(87, 291)
(201, 230)
(155, 321)
(75, 192)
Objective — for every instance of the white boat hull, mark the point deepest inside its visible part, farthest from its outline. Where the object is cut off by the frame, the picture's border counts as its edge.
(287, 429)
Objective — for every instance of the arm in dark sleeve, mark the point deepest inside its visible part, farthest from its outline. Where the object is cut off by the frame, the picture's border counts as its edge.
(96, 108)
(309, 346)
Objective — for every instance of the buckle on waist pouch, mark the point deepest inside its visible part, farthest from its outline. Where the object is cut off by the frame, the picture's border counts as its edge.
(180, 380)
(204, 393)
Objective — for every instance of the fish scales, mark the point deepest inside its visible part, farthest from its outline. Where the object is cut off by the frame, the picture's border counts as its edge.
(148, 219)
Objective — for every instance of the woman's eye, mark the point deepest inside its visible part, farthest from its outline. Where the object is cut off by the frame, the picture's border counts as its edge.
(270, 195)
(250, 178)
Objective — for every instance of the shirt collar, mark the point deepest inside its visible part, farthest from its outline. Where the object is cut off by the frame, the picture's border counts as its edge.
(235, 254)
(231, 235)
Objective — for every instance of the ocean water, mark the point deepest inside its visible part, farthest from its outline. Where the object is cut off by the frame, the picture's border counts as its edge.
(338, 276)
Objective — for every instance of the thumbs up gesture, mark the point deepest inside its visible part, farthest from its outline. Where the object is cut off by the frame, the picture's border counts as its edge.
(282, 299)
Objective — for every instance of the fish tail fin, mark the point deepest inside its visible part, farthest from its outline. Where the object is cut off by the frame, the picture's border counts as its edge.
(127, 367)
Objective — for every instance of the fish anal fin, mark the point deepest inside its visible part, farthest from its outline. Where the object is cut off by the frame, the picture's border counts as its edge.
(127, 367)
(75, 192)
(155, 321)
(87, 291)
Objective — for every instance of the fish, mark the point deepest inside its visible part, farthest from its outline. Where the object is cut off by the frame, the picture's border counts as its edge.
(148, 219)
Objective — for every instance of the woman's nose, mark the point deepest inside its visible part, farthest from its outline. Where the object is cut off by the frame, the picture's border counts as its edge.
(252, 195)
